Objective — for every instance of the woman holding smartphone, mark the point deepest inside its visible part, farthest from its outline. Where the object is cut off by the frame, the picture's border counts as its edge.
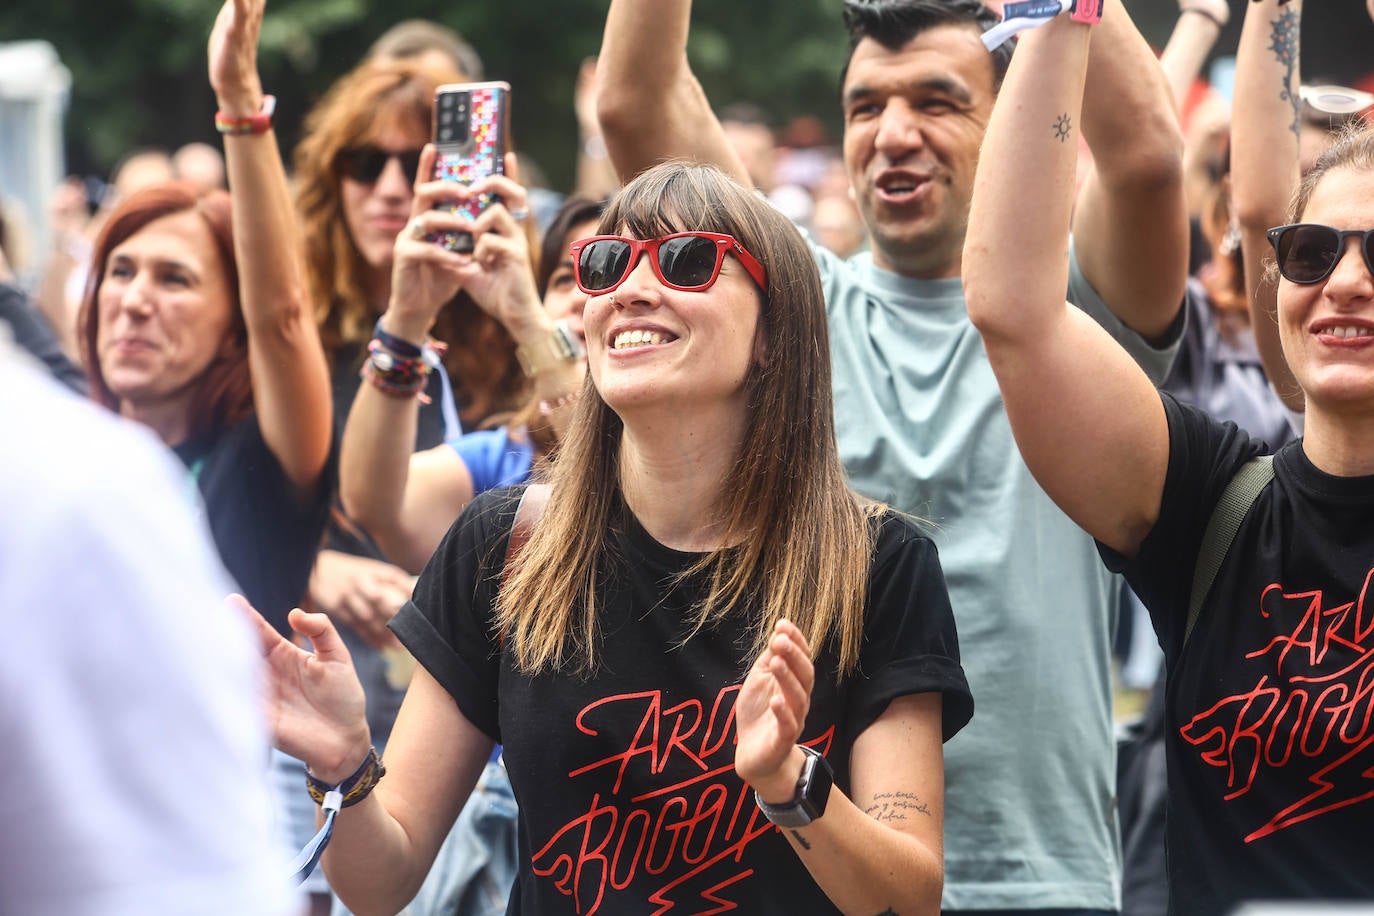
(705, 630)
(1268, 726)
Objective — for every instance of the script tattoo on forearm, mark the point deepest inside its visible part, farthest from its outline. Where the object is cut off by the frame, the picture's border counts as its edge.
(1284, 44)
(801, 840)
(896, 806)
(1063, 126)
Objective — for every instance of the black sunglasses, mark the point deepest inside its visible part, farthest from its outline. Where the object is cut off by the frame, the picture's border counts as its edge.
(1309, 252)
(364, 164)
(688, 261)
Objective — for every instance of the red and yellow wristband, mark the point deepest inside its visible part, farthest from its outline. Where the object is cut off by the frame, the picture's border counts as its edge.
(259, 123)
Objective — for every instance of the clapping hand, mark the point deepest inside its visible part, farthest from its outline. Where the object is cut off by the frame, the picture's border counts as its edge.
(770, 712)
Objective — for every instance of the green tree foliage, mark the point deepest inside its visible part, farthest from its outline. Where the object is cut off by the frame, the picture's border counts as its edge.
(138, 66)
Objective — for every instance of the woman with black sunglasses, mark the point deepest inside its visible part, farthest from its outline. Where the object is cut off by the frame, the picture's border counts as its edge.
(1268, 638)
(721, 678)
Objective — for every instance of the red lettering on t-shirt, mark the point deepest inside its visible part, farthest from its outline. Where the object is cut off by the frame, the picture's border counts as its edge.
(693, 831)
(1301, 711)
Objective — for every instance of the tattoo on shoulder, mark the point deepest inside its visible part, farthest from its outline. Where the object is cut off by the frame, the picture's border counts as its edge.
(801, 840)
(896, 806)
(1284, 44)
(1063, 126)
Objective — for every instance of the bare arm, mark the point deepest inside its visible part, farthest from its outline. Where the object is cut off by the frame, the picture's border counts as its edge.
(290, 378)
(1088, 422)
(650, 105)
(1130, 226)
(383, 847)
(1264, 164)
(878, 850)
(1195, 33)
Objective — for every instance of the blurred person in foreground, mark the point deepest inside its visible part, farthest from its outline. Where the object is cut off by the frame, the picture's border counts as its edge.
(133, 695)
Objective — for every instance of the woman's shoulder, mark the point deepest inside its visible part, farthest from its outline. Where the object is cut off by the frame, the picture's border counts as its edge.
(895, 530)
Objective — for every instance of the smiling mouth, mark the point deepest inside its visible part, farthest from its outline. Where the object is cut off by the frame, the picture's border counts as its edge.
(629, 340)
(1346, 332)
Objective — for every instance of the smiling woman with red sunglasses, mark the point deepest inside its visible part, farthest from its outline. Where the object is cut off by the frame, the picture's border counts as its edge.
(721, 678)
(1267, 624)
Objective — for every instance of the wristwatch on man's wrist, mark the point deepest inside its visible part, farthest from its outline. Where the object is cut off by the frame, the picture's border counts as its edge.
(813, 791)
(558, 346)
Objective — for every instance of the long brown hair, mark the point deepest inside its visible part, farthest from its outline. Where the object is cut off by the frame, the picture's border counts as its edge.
(481, 355)
(552, 250)
(801, 540)
(224, 395)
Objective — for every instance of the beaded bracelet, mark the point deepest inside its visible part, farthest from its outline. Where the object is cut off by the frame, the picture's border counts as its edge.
(398, 375)
(353, 789)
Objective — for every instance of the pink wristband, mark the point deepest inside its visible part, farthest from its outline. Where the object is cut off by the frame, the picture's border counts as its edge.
(1087, 11)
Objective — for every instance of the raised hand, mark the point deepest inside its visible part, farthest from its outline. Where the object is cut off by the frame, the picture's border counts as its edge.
(233, 57)
(316, 706)
(770, 712)
(497, 273)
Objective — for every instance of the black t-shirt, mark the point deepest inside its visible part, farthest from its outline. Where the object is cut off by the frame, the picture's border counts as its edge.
(1270, 708)
(267, 531)
(629, 803)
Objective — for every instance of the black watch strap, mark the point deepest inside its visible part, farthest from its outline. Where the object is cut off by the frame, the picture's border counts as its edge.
(813, 791)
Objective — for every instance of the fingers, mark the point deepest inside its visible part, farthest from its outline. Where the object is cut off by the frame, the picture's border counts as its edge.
(320, 631)
(424, 176)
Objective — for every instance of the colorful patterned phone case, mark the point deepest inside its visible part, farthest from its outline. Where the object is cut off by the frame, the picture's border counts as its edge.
(470, 127)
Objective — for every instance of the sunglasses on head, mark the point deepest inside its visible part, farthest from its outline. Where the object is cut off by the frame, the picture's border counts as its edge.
(1309, 252)
(689, 261)
(364, 164)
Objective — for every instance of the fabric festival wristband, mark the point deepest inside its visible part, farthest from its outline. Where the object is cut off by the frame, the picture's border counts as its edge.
(259, 123)
(1027, 14)
(353, 789)
(397, 345)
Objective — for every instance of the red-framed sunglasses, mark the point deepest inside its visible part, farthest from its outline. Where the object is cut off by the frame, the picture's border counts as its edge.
(689, 261)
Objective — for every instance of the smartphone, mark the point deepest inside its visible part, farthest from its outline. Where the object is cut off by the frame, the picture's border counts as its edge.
(471, 126)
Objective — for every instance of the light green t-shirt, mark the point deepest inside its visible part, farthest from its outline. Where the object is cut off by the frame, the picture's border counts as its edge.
(1030, 820)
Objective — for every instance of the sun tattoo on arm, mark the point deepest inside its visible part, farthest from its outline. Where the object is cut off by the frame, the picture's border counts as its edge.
(1063, 126)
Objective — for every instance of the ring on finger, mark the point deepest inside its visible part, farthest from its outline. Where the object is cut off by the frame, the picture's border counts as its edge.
(417, 229)
(520, 214)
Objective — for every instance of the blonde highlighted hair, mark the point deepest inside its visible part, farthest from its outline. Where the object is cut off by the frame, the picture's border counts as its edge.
(801, 539)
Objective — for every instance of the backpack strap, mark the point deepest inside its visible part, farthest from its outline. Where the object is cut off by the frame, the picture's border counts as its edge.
(533, 502)
(1231, 509)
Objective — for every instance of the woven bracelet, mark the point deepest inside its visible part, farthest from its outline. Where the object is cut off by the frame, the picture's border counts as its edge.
(353, 789)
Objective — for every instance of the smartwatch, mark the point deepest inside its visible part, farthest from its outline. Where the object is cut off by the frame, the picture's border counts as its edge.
(561, 345)
(813, 791)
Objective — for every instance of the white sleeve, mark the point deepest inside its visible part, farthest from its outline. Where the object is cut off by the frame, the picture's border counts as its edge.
(135, 750)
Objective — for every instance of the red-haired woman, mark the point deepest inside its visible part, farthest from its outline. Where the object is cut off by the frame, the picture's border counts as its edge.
(196, 324)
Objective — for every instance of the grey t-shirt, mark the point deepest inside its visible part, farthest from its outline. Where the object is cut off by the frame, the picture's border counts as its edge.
(1030, 821)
